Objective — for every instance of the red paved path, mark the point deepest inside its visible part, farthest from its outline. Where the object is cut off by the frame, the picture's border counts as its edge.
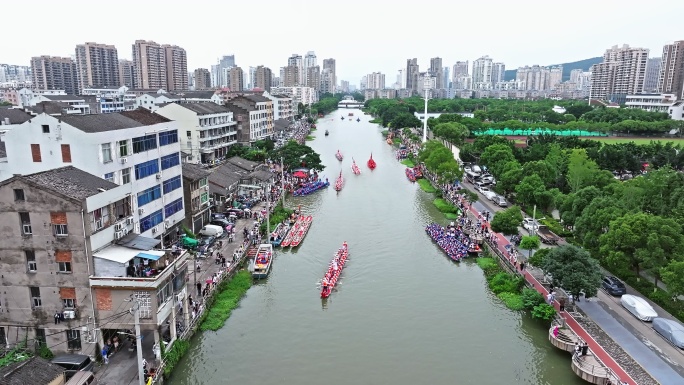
(570, 321)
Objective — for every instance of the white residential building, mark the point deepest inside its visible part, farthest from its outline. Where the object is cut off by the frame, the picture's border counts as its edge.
(137, 149)
(207, 129)
(653, 103)
(153, 101)
(283, 107)
(304, 95)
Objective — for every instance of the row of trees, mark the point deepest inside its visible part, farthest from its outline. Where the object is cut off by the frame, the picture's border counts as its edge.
(327, 102)
(517, 115)
(293, 154)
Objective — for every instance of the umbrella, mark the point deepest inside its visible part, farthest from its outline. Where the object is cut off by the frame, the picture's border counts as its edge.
(300, 174)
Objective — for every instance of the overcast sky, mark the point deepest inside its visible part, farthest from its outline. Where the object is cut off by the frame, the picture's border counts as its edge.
(362, 35)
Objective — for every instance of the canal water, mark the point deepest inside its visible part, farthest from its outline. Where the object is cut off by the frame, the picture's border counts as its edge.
(403, 313)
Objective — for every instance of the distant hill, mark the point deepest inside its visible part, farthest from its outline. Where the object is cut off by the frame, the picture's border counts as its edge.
(584, 65)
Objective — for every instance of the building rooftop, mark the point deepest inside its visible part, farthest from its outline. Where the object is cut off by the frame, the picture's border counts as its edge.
(15, 116)
(244, 164)
(197, 94)
(35, 370)
(70, 182)
(194, 172)
(205, 108)
(114, 121)
(59, 98)
(256, 98)
(50, 108)
(224, 176)
(262, 175)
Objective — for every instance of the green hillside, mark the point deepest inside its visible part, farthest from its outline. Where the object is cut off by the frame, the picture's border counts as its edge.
(584, 65)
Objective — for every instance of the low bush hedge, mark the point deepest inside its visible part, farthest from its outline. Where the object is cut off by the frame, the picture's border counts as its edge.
(426, 186)
(228, 299)
(444, 206)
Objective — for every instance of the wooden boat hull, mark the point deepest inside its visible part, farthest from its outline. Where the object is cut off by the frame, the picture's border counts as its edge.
(301, 232)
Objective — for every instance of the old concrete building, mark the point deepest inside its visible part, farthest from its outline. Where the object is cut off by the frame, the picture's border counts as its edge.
(254, 116)
(196, 195)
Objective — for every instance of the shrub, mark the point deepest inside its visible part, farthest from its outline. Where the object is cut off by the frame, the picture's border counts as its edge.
(279, 215)
(531, 298)
(426, 186)
(504, 282)
(538, 257)
(172, 356)
(451, 216)
(511, 300)
(488, 266)
(408, 163)
(544, 311)
(227, 300)
(444, 206)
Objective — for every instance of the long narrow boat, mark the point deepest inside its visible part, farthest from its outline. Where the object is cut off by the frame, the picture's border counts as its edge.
(355, 168)
(339, 182)
(410, 175)
(298, 237)
(295, 228)
(454, 243)
(279, 234)
(310, 188)
(334, 270)
(339, 155)
(262, 261)
(417, 172)
(371, 163)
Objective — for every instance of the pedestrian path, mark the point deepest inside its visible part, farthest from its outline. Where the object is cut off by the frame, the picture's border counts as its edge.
(649, 360)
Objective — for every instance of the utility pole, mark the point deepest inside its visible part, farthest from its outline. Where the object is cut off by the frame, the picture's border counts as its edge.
(282, 179)
(138, 340)
(427, 90)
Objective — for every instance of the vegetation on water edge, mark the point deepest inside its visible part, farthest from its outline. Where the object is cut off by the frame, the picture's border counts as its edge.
(230, 293)
(426, 186)
(396, 141)
(510, 288)
(310, 137)
(173, 355)
(451, 216)
(408, 163)
(444, 207)
(385, 133)
(375, 121)
(278, 215)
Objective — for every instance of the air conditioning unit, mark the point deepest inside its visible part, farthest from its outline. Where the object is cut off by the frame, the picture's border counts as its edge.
(154, 230)
(118, 235)
(99, 224)
(141, 211)
(124, 230)
(159, 175)
(129, 221)
(137, 228)
(118, 226)
(124, 160)
(69, 314)
(167, 223)
(205, 187)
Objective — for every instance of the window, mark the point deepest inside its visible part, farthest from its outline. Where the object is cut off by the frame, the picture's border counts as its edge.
(31, 263)
(173, 207)
(19, 195)
(172, 184)
(151, 220)
(144, 299)
(35, 153)
(168, 137)
(122, 208)
(40, 337)
(146, 169)
(169, 161)
(73, 339)
(64, 267)
(60, 230)
(3, 339)
(123, 148)
(126, 175)
(69, 303)
(46, 128)
(188, 134)
(25, 220)
(36, 302)
(66, 153)
(106, 152)
(149, 195)
(109, 177)
(144, 143)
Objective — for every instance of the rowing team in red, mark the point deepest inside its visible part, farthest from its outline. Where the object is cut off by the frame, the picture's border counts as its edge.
(334, 270)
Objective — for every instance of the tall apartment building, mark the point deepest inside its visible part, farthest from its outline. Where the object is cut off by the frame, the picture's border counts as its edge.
(375, 81)
(176, 68)
(97, 65)
(460, 75)
(621, 73)
(220, 71)
(150, 65)
(329, 78)
(289, 76)
(236, 79)
(555, 77)
(498, 72)
(344, 85)
(263, 78)
(671, 75)
(296, 61)
(412, 73)
(653, 75)
(575, 75)
(55, 73)
(10, 73)
(482, 70)
(313, 77)
(436, 70)
(127, 73)
(202, 79)
(309, 61)
(254, 116)
(446, 82)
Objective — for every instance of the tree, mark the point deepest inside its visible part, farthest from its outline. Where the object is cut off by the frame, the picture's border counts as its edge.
(511, 174)
(529, 189)
(453, 132)
(297, 155)
(581, 169)
(405, 119)
(574, 270)
(507, 221)
(673, 277)
(595, 221)
(495, 158)
(529, 243)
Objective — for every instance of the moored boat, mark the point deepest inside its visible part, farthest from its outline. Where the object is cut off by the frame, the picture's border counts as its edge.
(371, 163)
(417, 172)
(410, 175)
(453, 242)
(310, 188)
(298, 237)
(389, 141)
(262, 261)
(277, 235)
(355, 168)
(332, 276)
(339, 182)
(339, 155)
(295, 228)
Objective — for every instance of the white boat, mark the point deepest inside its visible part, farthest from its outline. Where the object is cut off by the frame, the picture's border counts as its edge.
(262, 261)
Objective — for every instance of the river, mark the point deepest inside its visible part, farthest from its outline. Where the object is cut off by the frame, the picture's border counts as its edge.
(403, 313)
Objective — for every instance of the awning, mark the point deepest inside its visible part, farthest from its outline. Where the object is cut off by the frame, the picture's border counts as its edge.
(117, 254)
(153, 255)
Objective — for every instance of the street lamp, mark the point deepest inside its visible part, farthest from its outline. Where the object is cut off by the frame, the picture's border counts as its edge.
(427, 84)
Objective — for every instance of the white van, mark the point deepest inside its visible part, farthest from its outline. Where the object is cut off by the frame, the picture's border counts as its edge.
(212, 231)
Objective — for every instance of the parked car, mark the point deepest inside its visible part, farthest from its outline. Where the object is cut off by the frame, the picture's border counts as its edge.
(530, 225)
(613, 286)
(74, 363)
(482, 189)
(489, 194)
(671, 330)
(480, 184)
(221, 222)
(488, 179)
(207, 241)
(218, 216)
(500, 201)
(638, 307)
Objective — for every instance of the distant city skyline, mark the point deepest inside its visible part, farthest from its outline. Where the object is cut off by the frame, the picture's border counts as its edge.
(375, 50)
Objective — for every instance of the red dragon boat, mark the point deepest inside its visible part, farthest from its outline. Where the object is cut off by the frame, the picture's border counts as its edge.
(287, 241)
(339, 156)
(417, 172)
(371, 163)
(355, 168)
(299, 235)
(334, 270)
(410, 175)
(339, 182)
